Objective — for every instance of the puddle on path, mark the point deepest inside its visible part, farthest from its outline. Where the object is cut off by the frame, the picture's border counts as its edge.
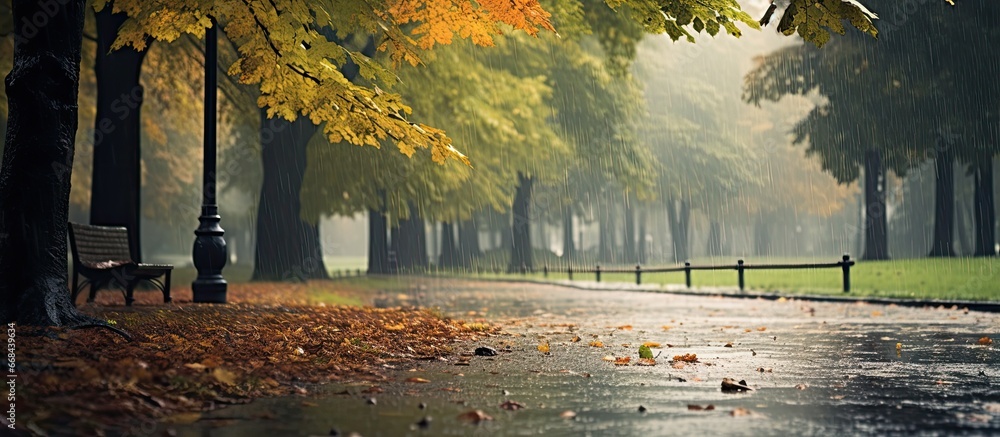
(818, 368)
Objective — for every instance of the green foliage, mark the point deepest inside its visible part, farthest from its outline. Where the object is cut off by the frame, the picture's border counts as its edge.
(813, 20)
(645, 352)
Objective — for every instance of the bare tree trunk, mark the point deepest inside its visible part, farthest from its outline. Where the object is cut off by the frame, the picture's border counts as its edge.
(569, 249)
(876, 227)
(984, 209)
(631, 254)
(679, 217)
(449, 253)
(37, 162)
(116, 174)
(521, 250)
(944, 205)
(378, 243)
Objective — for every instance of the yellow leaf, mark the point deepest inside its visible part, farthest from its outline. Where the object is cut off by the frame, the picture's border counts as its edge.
(597, 343)
(543, 348)
(224, 376)
(651, 344)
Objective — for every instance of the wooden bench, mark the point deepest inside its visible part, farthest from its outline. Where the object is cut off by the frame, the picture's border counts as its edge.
(101, 255)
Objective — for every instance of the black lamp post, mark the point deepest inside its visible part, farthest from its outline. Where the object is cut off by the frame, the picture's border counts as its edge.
(209, 245)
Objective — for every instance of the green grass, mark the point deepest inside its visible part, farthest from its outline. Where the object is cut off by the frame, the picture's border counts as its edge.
(926, 278)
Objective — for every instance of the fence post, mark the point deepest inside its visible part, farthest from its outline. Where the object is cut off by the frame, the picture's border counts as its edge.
(598, 273)
(845, 265)
(545, 271)
(687, 274)
(638, 274)
(570, 271)
(739, 269)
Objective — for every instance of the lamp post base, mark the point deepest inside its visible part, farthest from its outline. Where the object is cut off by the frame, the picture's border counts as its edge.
(209, 258)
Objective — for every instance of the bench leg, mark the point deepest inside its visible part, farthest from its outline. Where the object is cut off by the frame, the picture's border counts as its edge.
(129, 290)
(94, 285)
(166, 288)
(76, 287)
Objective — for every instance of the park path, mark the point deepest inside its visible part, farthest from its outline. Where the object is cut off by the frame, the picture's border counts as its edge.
(817, 368)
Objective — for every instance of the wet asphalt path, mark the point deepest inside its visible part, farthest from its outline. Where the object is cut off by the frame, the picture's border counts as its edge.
(816, 369)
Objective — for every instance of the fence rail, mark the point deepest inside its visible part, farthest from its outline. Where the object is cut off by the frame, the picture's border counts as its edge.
(740, 267)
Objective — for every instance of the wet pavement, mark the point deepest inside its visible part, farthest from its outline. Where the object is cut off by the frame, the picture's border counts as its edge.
(817, 368)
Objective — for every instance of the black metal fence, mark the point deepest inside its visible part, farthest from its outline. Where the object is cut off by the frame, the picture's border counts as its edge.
(740, 267)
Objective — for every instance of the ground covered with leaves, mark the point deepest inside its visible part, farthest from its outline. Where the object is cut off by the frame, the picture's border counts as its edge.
(185, 358)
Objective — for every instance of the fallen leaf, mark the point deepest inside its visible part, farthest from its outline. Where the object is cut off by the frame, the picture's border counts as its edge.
(418, 380)
(762, 328)
(678, 364)
(748, 330)
(511, 405)
(396, 327)
(543, 348)
(646, 362)
(740, 412)
(575, 339)
(730, 385)
(763, 370)
(195, 366)
(608, 358)
(801, 386)
(876, 313)
(625, 327)
(224, 376)
(666, 327)
(651, 344)
(474, 416)
(622, 361)
(687, 358)
(596, 343)
(567, 414)
(985, 341)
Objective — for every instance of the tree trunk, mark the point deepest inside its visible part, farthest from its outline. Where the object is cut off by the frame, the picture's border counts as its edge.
(116, 178)
(679, 217)
(449, 253)
(569, 249)
(944, 205)
(468, 242)
(643, 250)
(42, 91)
(378, 247)
(984, 208)
(411, 243)
(964, 239)
(631, 255)
(876, 235)
(521, 251)
(714, 238)
(285, 241)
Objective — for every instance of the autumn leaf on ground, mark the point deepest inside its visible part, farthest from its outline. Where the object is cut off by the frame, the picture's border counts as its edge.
(511, 405)
(740, 412)
(762, 328)
(623, 361)
(651, 344)
(687, 358)
(575, 339)
(730, 385)
(474, 416)
(396, 327)
(417, 380)
(567, 414)
(597, 343)
(645, 362)
(625, 327)
(666, 327)
(694, 407)
(224, 376)
(985, 341)
(543, 348)
(608, 358)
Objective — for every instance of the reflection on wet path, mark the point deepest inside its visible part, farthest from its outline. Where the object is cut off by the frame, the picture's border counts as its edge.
(818, 368)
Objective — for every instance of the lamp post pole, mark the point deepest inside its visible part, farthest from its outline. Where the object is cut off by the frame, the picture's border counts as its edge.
(209, 245)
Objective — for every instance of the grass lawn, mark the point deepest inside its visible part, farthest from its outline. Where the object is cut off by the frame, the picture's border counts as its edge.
(934, 278)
